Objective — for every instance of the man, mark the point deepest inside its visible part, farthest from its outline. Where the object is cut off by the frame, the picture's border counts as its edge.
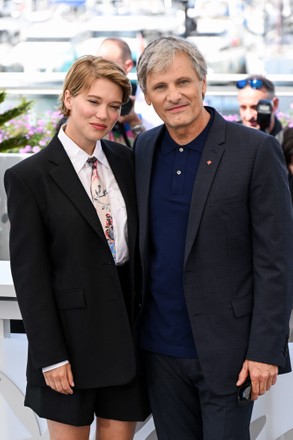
(216, 243)
(136, 116)
(251, 90)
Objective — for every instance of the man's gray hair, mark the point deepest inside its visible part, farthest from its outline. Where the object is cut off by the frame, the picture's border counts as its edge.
(159, 55)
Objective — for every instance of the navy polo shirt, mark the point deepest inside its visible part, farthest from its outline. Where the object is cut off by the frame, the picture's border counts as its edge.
(165, 326)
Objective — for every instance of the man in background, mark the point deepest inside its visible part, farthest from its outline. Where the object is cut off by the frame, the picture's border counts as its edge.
(136, 115)
(256, 114)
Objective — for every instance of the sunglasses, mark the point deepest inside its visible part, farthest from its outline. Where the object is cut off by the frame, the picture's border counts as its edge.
(254, 83)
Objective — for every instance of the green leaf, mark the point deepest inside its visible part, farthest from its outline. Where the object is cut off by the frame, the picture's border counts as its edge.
(22, 108)
(13, 144)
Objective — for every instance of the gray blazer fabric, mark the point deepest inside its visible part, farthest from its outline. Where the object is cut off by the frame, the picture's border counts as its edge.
(239, 249)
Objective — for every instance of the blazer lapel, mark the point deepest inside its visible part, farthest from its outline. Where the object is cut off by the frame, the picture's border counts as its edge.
(210, 161)
(144, 155)
(68, 181)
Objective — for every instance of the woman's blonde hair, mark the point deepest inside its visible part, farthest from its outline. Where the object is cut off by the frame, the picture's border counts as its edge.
(88, 68)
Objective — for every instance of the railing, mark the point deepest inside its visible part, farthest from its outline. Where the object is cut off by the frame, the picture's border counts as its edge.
(8, 303)
(221, 91)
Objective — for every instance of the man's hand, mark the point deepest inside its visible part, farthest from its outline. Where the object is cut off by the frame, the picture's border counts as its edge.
(262, 377)
(60, 379)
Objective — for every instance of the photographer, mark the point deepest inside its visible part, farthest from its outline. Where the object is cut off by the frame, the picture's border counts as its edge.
(258, 105)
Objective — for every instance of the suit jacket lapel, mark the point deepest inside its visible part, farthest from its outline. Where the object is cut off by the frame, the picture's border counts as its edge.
(209, 163)
(144, 155)
(66, 178)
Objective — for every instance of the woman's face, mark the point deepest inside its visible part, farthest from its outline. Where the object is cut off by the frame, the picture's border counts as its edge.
(93, 112)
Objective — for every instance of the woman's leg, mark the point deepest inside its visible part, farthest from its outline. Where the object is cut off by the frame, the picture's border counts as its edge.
(108, 429)
(61, 431)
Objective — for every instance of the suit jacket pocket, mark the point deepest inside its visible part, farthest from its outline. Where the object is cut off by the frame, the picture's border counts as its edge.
(70, 299)
(242, 306)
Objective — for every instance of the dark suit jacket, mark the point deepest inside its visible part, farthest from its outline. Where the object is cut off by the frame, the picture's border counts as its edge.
(291, 185)
(64, 274)
(238, 252)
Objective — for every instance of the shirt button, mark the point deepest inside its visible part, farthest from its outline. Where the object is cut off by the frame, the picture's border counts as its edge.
(178, 172)
(181, 149)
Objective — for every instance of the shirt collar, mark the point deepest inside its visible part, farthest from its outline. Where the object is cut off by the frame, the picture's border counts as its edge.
(196, 144)
(77, 155)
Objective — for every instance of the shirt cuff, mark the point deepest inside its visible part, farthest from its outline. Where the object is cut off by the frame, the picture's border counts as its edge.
(51, 367)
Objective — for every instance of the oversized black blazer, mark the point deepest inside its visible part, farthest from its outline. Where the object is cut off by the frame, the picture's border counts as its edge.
(238, 252)
(63, 271)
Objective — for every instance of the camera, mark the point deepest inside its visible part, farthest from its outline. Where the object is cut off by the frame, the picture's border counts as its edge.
(264, 113)
(127, 107)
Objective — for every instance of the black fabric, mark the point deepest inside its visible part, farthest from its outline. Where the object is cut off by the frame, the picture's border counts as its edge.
(126, 403)
(184, 407)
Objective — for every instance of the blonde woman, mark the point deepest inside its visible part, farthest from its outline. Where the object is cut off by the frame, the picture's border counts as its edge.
(76, 296)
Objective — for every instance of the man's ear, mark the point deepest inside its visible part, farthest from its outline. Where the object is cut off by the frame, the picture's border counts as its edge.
(147, 100)
(128, 65)
(275, 101)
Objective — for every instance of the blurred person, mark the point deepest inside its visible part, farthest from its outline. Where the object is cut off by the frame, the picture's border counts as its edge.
(250, 91)
(72, 211)
(136, 116)
(287, 146)
(216, 244)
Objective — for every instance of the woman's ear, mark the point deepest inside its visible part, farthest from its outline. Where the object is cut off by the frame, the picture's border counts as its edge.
(67, 99)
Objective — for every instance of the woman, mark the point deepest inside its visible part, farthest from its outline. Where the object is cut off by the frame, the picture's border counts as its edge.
(77, 298)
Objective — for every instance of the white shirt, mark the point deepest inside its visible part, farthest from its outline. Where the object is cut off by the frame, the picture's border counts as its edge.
(78, 158)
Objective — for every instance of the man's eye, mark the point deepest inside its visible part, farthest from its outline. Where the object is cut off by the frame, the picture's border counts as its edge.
(159, 87)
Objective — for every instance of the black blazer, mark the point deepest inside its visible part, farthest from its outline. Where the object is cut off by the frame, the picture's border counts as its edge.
(63, 271)
(239, 249)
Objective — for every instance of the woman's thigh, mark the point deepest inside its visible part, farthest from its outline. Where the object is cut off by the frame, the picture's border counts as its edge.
(114, 429)
(61, 431)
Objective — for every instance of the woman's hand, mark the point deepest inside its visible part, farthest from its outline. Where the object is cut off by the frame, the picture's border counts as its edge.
(60, 379)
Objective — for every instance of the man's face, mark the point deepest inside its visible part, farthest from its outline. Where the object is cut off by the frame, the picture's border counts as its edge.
(248, 99)
(177, 94)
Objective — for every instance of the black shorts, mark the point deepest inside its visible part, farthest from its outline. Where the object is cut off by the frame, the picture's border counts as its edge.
(125, 403)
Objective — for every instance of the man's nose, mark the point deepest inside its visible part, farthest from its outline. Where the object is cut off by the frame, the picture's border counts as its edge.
(173, 94)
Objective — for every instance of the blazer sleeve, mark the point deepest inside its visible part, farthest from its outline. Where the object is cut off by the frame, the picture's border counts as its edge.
(31, 272)
(272, 234)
